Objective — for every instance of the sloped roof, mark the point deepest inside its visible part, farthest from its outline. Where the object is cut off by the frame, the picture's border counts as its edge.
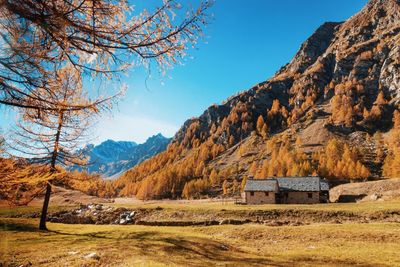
(301, 184)
(261, 185)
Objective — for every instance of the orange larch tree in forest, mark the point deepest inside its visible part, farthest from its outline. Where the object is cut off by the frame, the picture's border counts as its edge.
(51, 136)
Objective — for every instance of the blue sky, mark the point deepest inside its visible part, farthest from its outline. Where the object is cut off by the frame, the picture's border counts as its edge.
(248, 41)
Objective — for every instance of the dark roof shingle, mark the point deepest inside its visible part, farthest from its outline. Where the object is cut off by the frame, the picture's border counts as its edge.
(261, 185)
(299, 184)
(302, 184)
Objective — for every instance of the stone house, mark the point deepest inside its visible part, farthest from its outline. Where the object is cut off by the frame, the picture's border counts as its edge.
(286, 190)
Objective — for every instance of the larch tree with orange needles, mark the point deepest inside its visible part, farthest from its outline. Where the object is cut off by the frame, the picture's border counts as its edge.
(51, 135)
(98, 37)
(391, 167)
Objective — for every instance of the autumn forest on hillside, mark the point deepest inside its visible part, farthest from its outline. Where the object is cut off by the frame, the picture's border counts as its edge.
(199, 133)
(46, 88)
(338, 161)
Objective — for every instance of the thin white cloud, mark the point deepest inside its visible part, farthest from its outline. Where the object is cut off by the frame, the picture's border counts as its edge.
(122, 127)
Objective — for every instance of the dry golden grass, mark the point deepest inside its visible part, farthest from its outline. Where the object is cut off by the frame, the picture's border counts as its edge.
(373, 244)
(245, 245)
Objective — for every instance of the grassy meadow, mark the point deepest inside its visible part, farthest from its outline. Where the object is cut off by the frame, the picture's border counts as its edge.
(359, 244)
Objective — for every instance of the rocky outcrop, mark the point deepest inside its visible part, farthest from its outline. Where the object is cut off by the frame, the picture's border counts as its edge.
(390, 74)
(313, 48)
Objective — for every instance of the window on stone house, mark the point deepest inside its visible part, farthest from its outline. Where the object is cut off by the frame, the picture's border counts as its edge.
(266, 194)
(309, 195)
(252, 194)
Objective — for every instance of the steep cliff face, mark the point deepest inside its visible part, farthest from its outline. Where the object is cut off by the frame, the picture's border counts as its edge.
(314, 47)
(344, 82)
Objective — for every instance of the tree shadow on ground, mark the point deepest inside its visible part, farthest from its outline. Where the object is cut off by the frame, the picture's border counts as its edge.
(198, 251)
(175, 249)
(17, 226)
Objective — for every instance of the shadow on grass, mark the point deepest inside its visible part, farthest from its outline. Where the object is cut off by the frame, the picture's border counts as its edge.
(18, 226)
(212, 251)
(195, 251)
(175, 248)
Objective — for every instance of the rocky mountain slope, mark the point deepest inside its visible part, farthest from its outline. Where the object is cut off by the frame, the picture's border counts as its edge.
(111, 158)
(343, 83)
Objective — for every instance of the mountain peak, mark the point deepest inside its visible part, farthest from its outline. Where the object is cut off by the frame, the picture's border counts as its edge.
(313, 47)
(111, 158)
(342, 68)
(155, 137)
(378, 16)
(382, 3)
(113, 142)
(159, 135)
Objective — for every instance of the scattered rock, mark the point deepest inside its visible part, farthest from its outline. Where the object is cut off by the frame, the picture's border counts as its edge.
(375, 196)
(271, 217)
(92, 255)
(224, 247)
(94, 214)
(337, 222)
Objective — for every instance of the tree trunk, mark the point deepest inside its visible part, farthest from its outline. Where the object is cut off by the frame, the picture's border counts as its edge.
(43, 217)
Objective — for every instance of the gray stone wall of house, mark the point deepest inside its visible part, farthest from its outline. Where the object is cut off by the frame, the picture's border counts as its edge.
(300, 197)
(255, 197)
